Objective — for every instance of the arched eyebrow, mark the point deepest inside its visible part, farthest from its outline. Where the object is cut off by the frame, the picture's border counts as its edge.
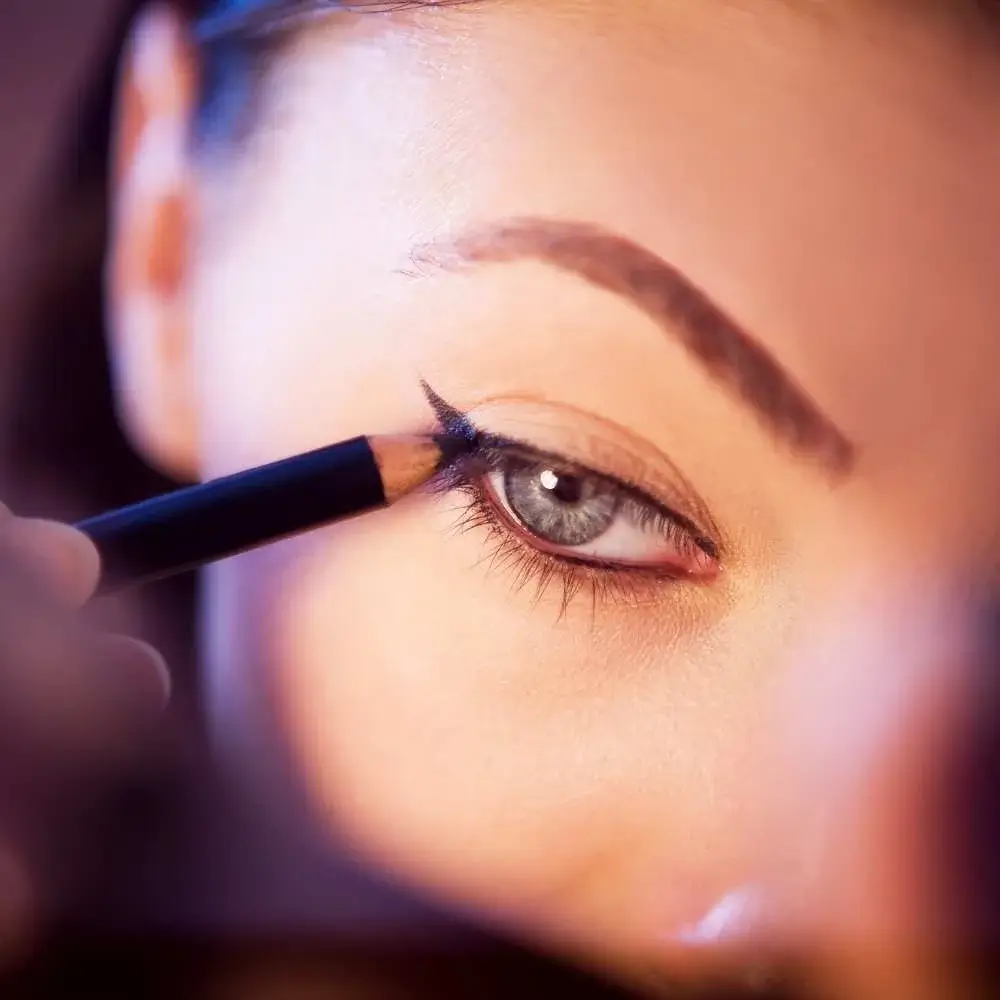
(733, 358)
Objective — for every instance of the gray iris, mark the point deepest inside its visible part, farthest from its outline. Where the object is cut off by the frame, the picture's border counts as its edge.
(561, 507)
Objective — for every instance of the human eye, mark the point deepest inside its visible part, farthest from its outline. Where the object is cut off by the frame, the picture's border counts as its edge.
(549, 520)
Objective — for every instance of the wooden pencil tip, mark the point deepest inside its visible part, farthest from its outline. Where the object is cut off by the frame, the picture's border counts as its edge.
(406, 463)
(453, 447)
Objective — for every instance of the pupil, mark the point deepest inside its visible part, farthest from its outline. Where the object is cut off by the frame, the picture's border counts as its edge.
(566, 489)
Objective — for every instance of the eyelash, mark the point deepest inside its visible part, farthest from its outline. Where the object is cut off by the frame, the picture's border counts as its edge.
(509, 547)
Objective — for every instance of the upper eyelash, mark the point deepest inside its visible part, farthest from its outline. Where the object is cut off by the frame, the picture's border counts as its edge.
(632, 586)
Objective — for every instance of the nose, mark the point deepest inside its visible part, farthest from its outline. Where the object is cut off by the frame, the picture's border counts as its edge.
(890, 848)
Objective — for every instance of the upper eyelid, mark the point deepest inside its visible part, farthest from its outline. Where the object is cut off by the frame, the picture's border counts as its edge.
(509, 445)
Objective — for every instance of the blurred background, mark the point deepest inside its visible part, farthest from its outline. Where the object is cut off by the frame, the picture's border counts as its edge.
(165, 886)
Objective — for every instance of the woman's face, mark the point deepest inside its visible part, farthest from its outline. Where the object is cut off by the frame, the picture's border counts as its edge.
(597, 750)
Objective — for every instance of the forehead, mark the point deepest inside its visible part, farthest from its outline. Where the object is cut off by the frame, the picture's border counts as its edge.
(827, 172)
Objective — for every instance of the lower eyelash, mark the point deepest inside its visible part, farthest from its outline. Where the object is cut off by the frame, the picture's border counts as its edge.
(632, 586)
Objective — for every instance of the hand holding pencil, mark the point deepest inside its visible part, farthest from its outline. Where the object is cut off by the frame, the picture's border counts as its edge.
(74, 707)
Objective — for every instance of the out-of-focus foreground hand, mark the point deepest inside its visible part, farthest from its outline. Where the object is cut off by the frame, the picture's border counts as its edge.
(75, 705)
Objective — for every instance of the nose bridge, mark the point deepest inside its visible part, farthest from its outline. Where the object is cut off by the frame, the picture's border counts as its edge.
(894, 739)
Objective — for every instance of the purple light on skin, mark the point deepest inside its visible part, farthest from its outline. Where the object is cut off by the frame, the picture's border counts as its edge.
(728, 920)
(730, 937)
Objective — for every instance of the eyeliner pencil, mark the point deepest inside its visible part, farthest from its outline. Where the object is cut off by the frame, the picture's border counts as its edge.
(187, 528)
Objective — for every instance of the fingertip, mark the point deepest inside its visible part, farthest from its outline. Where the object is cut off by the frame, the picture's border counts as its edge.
(68, 556)
(84, 571)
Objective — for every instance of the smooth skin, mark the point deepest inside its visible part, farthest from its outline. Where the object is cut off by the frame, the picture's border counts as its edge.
(600, 780)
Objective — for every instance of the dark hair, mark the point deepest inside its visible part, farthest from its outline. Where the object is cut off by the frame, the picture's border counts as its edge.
(239, 39)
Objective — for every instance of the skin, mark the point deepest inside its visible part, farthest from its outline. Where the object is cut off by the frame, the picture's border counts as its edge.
(598, 780)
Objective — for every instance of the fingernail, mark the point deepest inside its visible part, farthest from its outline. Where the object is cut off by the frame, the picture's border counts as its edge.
(149, 680)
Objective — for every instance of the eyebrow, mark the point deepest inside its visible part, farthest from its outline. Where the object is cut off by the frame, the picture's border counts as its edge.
(731, 356)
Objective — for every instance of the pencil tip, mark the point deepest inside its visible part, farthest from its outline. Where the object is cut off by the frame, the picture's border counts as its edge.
(452, 448)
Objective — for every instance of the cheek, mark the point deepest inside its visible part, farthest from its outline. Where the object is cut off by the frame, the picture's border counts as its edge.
(572, 779)
(412, 711)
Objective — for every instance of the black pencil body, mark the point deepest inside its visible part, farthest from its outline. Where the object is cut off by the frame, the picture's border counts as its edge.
(200, 524)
